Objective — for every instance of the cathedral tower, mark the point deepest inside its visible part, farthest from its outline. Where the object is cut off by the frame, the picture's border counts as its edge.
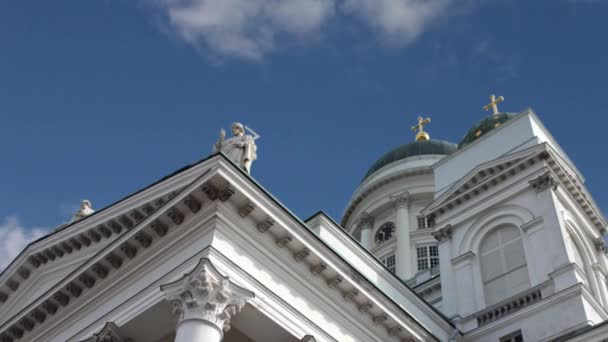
(384, 214)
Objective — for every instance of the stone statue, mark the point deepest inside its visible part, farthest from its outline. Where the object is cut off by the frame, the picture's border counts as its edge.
(241, 148)
(84, 211)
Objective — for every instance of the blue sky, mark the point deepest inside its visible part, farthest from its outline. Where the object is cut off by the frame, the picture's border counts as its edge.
(100, 98)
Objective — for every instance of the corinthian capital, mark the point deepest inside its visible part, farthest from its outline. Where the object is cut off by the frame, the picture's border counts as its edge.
(366, 221)
(544, 182)
(444, 233)
(205, 294)
(402, 201)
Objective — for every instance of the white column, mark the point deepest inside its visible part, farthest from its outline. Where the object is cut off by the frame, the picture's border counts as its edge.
(205, 301)
(199, 331)
(366, 222)
(403, 255)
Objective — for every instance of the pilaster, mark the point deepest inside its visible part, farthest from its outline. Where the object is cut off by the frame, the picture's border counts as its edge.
(545, 186)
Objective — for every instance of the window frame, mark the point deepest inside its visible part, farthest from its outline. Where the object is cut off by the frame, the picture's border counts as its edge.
(503, 260)
(427, 257)
(512, 337)
(391, 237)
(421, 222)
(384, 260)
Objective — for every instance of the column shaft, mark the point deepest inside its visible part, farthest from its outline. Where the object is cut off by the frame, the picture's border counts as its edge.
(366, 224)
(205, 302)
(366, 237)
(404, 253)
(194, 330)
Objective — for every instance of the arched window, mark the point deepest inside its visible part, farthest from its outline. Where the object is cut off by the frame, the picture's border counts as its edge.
(503, 264)
(385, 232)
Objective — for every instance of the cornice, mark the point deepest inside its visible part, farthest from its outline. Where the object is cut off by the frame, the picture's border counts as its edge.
(577, 191)
(372, 262)
(120, 251)
(101, 227)
(367, 189)
(220, 184)
(485, 177)
(476, 183)
(338, 273)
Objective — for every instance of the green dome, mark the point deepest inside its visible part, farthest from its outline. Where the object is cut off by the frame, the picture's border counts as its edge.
(484, 126)
(416, 148)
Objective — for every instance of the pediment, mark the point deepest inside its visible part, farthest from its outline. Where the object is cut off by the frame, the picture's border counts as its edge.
(219, 189)
(485, 176)
(57, 254)
(39, 282)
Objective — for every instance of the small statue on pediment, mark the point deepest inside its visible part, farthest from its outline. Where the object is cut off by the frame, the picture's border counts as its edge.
(84, 211)
(240, 148)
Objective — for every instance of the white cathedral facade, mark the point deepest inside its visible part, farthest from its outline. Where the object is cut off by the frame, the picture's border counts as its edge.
(494, 239)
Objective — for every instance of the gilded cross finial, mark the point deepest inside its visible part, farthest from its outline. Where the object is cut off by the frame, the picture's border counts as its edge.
(421, 135)
(494, 103)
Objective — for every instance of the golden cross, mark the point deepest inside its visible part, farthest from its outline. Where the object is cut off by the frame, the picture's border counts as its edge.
(422, 135)
(494, 103)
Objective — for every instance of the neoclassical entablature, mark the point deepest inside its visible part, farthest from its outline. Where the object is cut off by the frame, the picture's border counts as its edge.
(367, 189)
(483, 178)
(374, 269)
(489, 175)
(220, 184)
(389, 201)
(88, 234)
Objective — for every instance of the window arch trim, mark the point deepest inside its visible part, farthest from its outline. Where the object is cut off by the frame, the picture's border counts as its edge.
(506, 215)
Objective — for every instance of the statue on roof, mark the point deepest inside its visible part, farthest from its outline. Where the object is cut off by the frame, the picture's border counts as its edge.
(84, 211)
(241, 148)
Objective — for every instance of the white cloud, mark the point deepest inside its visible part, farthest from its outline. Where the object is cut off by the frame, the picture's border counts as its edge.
(505, 65)
(246, 28)
(398, 21)
(13, 239)
(249, 29)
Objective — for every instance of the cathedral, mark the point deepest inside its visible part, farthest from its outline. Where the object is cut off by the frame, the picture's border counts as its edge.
(494, 239)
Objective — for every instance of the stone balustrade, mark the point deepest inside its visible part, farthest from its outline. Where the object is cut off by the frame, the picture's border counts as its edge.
(509, 306)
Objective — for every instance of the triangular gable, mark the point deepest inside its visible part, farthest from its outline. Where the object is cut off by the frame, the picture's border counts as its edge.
(219, 184)
(117, 252)
(493, 172)
(71, 245)
(480, 176)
